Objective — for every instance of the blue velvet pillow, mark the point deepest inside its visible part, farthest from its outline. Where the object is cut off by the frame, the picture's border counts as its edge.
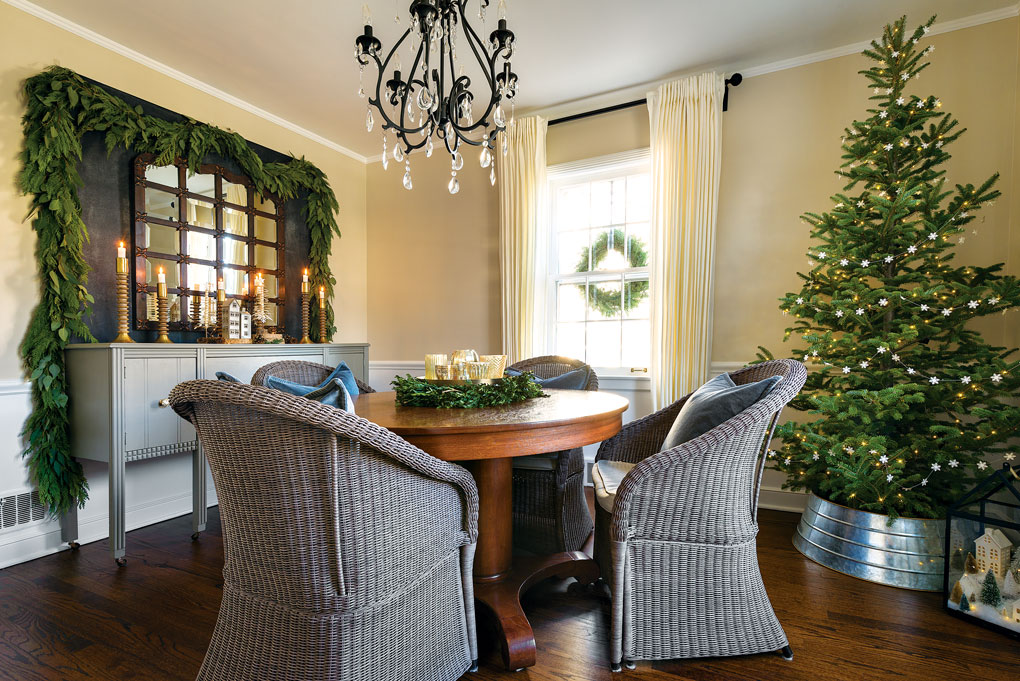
(575, 379)
(224, 376)
(344, 373)
(716, 402)
(331, 393)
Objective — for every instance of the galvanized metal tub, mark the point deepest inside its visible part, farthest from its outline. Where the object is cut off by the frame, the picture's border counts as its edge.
(908, 553)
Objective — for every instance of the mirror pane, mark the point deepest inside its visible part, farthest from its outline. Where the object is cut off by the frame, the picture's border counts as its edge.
(235, 282)
(271, 314)
(265, 228)
(174, 307)
(201, 277)
(235, 193)
(162, 174)
(201, 214)
(271, 288)
(201, 246)
(161, 239)
(264, 204)
(235, 252)
(203, 184)
(235, 222)
(160, 204)
(152, 312)
(152, 266)
(265, 257)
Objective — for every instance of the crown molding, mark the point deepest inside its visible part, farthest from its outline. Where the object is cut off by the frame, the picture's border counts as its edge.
(135, 56)
(633, 92)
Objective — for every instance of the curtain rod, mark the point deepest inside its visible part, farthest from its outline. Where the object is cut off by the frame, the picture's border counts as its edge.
(733, 80)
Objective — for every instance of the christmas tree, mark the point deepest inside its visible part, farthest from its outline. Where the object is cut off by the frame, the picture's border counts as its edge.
(990, 591)
(964, 603)
(905, 399)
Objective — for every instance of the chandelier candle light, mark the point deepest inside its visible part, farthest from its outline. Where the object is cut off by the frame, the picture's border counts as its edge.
(122, 296)
(434, 99)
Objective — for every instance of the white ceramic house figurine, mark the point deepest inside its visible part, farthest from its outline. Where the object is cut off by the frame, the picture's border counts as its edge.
(993, 551)
(234, 320)
(245, 324)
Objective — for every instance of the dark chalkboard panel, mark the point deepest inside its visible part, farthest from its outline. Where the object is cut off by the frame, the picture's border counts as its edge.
(106, 201)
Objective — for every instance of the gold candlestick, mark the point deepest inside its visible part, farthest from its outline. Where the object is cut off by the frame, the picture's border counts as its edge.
(304, 310)
(161, 325)
(322, 314)
(196, 310)
(122, 302)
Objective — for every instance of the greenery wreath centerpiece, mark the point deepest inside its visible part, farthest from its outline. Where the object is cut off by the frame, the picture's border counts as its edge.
(611, 303)
(416, 392)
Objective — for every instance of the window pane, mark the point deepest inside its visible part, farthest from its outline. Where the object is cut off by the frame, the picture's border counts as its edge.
(235, 193)
(162, 174)
(636, 299)
(639, 198)
(572, 251)
(607, 250)
(235, 252)
(603, 344)
(159, 204)
(572, 207)
(235, 222)
(235, 281)
(642, 238)
(161, 239)
(604, 299)
(201, 246)
(570, 302)
(637, 343)
(601, 203)
(152, 266)
(619, 201)
(570, 340)
(265, 257)
(264, 204)
(201, 214)
(265, 228)
(203, 184)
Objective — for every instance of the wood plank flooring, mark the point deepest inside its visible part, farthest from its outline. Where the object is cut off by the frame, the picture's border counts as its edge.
(75, 616)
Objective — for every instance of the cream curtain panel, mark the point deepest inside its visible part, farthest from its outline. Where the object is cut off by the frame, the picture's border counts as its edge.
(522, 186)
(686, 151)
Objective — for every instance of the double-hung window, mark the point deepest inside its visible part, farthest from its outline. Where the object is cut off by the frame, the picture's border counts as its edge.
(597, 307)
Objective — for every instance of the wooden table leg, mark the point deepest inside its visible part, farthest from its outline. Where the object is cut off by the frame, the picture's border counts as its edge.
(499, 579)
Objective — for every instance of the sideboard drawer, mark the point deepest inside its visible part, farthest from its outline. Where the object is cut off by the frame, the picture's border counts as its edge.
(148, 381)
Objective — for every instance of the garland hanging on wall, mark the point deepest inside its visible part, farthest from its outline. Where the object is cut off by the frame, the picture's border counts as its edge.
(61, 106)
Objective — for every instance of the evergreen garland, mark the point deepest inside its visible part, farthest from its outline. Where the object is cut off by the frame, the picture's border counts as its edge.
(414, 392)
(907, 400)
(608, 303)
(61, 106)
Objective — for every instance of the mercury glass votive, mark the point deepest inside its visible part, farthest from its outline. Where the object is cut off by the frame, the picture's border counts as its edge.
(477, 370)
(496, 365)
(432, 361)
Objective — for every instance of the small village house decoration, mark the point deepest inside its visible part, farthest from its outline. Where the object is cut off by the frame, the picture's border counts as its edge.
(234, 320)
(245, 325)
(982, 570)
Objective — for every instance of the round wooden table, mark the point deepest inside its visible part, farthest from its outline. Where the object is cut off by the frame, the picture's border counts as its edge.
(486, 440)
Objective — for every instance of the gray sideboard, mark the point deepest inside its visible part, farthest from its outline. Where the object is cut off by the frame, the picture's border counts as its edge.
(119, 412)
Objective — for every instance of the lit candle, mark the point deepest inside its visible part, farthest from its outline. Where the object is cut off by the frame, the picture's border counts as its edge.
(121, 259)
(304, 277)
(121, 251)
(221, 292)
(322, 297)
(160, 283)
(219, 285)
(160, 276)
(305, 287)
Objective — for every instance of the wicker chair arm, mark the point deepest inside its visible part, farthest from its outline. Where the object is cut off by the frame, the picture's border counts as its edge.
(339, 423)
(641, 438)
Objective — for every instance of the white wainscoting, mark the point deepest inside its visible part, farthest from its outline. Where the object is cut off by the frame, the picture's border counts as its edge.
(637, 389)
(156, 489)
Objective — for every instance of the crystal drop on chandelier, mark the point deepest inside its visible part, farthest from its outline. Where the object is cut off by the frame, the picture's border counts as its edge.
(425, 99)
(458, 161)
(492, 175)
(499, 116)
(407, 177)
(506, 145)
(398, 153)
(428, 147)
(385, 155)
(369, 121)
(454, 185)
(486, 157)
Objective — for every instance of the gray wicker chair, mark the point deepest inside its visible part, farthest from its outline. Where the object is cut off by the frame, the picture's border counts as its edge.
(549, 507)
(305, 373)
(348, 551)
(678, 549)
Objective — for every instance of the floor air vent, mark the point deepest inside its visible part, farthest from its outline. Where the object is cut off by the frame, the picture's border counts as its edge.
(19, 509)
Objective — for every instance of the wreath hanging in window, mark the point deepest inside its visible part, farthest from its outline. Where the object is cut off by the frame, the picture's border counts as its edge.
(611, 303)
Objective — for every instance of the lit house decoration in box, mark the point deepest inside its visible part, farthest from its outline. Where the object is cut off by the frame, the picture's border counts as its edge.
(234, 320)
(982, 571)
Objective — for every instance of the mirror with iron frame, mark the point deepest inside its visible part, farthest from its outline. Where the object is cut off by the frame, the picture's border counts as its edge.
(200, 228)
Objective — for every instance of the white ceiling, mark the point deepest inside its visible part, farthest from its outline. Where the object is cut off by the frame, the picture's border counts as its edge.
(295, 59)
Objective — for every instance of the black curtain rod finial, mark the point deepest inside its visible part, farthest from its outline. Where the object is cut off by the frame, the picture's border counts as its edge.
(734, 80)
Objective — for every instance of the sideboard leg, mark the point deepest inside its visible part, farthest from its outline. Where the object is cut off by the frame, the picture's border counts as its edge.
(69, 527)
(118, 532)
(199, 504)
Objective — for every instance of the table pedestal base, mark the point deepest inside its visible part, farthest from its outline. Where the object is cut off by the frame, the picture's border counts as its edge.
(503, 599)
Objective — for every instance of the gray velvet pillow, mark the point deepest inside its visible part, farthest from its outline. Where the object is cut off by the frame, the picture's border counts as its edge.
(716, 402)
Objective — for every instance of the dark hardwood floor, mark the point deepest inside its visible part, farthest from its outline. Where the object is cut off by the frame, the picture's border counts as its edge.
(75, 615)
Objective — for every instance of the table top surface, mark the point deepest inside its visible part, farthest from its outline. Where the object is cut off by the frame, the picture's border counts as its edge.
(560, 408)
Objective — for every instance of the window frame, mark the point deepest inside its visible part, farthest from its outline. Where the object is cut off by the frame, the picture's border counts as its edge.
(143, 289)
(557, 176)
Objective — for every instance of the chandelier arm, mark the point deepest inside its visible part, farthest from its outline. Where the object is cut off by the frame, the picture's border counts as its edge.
(388, 123)
(490, 62)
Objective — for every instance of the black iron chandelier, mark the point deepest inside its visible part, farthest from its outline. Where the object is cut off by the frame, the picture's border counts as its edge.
(434, 99)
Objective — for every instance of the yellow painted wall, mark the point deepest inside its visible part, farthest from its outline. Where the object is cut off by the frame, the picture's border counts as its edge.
(29, 45)
(781, 146)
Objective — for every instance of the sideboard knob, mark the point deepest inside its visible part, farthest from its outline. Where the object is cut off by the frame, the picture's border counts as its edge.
(164, 403)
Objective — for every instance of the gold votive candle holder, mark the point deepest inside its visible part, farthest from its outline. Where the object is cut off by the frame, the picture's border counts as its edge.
(496, 365)
(476, 370)
(432, 361)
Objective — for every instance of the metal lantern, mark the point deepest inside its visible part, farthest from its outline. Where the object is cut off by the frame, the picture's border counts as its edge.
(982, 570)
